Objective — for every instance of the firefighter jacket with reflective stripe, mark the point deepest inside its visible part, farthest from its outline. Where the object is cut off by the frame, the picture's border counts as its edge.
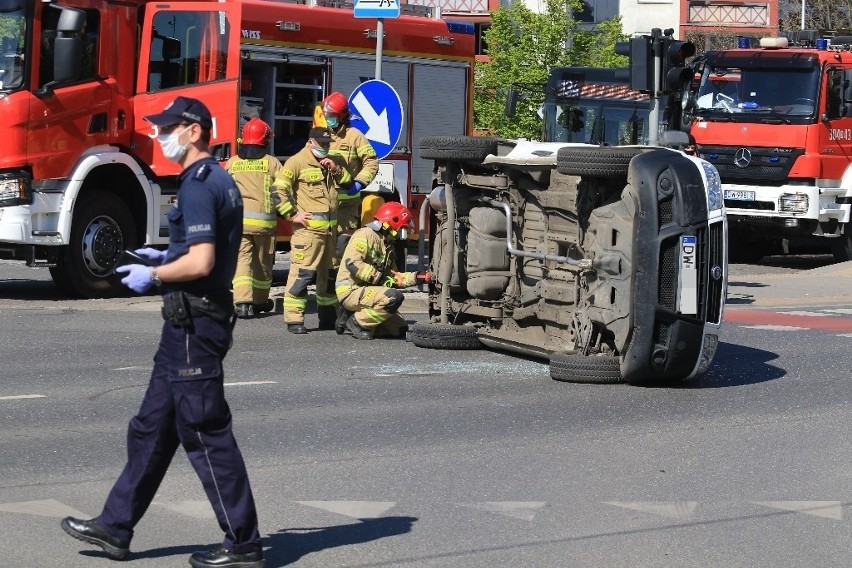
(368, 261)
(307, 186)
(358, 155)
(254, 178)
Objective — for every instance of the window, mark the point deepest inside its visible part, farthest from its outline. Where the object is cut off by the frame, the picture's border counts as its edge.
(187, 48)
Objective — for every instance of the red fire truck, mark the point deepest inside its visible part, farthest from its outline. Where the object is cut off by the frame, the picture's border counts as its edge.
(81, 176)
(776, 121)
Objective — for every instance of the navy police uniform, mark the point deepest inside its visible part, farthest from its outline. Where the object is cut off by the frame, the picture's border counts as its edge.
(185, 401)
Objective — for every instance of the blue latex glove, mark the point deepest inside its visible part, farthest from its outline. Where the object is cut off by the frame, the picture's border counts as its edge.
(156, 256)
(356, 187)
(138, 277)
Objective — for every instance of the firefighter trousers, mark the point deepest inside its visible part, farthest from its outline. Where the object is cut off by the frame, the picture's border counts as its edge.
(375, 308)
(311, 260)
(253, 277)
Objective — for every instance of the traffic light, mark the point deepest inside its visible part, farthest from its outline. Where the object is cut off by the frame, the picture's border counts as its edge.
(638, 49)
(675, 72)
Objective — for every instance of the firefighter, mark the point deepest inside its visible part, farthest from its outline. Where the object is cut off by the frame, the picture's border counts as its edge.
(253, 169)
(309, 180)
(367, 281)
(360, 158)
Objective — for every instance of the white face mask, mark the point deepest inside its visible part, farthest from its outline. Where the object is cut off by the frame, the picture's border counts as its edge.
(172, 148)
(319, 152)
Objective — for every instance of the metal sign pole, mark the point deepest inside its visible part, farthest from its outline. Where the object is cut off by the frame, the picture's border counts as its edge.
(380, 36)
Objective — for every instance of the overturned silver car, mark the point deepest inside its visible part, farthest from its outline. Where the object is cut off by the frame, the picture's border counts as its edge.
(608, 261)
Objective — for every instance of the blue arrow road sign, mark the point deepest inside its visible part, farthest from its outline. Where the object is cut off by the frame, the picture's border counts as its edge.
(377, 112)
(376, 9)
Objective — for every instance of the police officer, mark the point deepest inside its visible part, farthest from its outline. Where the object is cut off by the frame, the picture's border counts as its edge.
(185, 400)
(310, 179)
(360, 159)
(367, 280)
(254, 171)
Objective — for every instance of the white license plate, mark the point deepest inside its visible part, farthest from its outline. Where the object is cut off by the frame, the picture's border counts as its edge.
(688, 296)
(739, 195)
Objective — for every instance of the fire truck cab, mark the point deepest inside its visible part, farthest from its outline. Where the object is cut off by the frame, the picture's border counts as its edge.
(81, 175)
(776, 121)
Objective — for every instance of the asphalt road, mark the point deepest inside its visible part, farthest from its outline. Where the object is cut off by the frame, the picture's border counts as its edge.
(382, 454)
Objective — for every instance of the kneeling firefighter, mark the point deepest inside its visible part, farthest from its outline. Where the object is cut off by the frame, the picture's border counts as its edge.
(367, 281)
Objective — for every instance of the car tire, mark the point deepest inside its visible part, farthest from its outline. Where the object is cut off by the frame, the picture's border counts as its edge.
(595, 162)
(444, 336)
(592, 369)
(469, 148)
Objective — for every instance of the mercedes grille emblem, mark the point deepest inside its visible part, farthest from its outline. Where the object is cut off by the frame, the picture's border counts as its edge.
(742, 158)
(716, 272)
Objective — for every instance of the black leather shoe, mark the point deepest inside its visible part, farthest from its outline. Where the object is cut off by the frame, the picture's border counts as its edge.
(267, 306)
(297, 328)
(243, 311)
(93, 533)
(358, 332)
(224, 558)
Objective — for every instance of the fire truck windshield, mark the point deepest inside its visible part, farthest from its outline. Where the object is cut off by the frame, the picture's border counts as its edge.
(758, 94)
(13, 34)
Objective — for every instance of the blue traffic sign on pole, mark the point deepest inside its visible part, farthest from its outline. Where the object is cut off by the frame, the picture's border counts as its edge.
(376, 8)
(377, 112)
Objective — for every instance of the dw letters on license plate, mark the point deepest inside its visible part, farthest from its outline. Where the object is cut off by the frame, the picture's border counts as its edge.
(688, 292)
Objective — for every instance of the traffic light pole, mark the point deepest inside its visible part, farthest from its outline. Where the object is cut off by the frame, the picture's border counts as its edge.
(654, 115)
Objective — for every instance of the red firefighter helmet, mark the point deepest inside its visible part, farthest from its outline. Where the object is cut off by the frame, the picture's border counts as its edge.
(336, 103)
(257, 132)
(395, 215)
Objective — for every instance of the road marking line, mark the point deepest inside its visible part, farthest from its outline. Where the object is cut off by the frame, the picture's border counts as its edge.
(827, 509)
(843, 311)
(669, 509)
(353, 509)
(805, 313)
(524, 510)
(23, 396)
(775, 327)
(248, 383)
(43, 508)
(788, 320)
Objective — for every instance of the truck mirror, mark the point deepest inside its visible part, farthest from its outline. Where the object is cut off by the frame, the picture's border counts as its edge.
(71, 21)
(846, 86)
(171, 48)
(67, 59)
(511, 102)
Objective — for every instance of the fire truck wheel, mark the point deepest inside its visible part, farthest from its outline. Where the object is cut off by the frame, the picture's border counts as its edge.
(596, 162)
(594, 369)
(842, 246)
(101, 230)
(470, 148)
(444, 336)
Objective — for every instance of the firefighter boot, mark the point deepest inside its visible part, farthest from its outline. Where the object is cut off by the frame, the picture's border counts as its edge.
(267, 306)
(340, 323)
(327, 316)
(358, 332)
(297, 328)
(243, 310)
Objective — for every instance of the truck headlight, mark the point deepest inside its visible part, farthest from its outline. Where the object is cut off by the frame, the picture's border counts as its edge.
(793, 202)
(15, 189)
(714, 186)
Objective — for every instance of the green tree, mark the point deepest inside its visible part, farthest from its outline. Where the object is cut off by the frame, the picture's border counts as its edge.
(522, 48)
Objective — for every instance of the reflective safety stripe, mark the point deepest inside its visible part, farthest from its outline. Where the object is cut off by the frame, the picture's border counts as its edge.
(294, 302)
(259, 219)
(326, 300)
(253, 282)
(367, 273)
(314, 224)
(375, 316)
(344, 287)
